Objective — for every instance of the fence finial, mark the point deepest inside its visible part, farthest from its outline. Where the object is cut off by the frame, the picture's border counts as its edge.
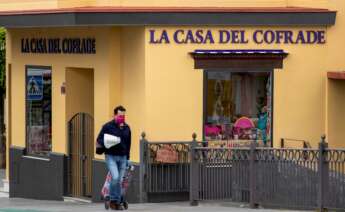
(143, 135)
(194, 136)
(323, 138)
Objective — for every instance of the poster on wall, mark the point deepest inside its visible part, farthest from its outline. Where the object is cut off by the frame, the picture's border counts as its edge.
(38, 138)
(34, 84)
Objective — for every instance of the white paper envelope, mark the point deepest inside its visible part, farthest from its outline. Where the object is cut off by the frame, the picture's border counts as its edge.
(111, 140)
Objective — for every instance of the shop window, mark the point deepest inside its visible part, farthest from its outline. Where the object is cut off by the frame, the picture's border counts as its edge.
(38, 110)
(238, 107)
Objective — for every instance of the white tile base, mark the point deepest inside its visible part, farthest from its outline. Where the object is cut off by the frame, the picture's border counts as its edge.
(6, 187)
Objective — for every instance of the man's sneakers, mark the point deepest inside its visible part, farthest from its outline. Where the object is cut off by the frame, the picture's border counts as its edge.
(106, 203)
(116, 206)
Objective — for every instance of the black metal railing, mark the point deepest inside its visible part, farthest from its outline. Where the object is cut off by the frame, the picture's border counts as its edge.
(334, 179)
(166, 165)
(300, 178)
(288, 178)
(168, 174)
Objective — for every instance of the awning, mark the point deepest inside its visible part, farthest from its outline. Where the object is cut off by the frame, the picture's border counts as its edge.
(337, 75)
(142, 16)
(239, 58)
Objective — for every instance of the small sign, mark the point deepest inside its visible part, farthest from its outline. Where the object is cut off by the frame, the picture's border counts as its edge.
(35, 87)
(63, 88)
(167, 155)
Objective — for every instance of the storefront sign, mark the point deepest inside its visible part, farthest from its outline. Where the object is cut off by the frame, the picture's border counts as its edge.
(167, 154)
(58, 46)
(223, 36)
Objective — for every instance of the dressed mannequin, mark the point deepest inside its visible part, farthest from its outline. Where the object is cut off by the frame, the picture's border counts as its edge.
(218, 109)
(262, 124)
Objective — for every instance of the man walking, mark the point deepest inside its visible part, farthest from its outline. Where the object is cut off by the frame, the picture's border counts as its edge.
(116, 154)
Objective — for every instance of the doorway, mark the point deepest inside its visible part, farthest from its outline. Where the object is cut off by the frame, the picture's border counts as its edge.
(79, 111)
(336, 112)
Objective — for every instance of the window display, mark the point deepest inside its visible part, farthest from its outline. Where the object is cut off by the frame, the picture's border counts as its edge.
(38, 110)
(238, 107)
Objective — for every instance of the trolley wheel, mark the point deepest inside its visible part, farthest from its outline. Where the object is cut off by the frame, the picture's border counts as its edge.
(125, 205)
(106, 204)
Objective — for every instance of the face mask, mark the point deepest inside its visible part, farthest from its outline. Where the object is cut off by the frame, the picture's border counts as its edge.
(120, 119)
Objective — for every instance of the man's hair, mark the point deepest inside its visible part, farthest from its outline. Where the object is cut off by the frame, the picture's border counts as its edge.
(119, 108)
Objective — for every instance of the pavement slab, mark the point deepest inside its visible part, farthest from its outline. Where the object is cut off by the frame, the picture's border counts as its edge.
(27, 205)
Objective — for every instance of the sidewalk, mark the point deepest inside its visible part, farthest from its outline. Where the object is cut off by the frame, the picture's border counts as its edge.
(2, 177)
(21, 205)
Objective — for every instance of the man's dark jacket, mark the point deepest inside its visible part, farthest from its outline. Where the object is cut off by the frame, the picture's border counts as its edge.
(124, 132)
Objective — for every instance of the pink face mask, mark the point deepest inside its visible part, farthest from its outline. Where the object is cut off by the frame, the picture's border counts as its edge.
(120, 119)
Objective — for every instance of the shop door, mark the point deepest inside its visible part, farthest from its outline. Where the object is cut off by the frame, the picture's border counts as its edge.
(80, 136)
(79, 112)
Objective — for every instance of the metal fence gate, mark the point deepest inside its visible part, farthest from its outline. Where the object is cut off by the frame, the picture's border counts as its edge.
(80, 155)
(298, 178)
(272, 177)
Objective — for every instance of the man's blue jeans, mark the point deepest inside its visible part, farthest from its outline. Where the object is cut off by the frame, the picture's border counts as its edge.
(117, 167)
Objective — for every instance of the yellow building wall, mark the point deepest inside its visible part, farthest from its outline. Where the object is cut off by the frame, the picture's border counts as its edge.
(114, 59)
(299, 95)
(79, 92)
(175, 89)
(27, 4)
(54, 4)
(98, 62)
(201, 3)
(309, 3)
(75, 3)
(133, 82)
(119, 78)
(335, 62)
(127, 80)
(336, 113)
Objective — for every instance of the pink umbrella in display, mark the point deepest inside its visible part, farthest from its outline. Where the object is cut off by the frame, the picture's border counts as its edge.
(244, 123)
(241, 126)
